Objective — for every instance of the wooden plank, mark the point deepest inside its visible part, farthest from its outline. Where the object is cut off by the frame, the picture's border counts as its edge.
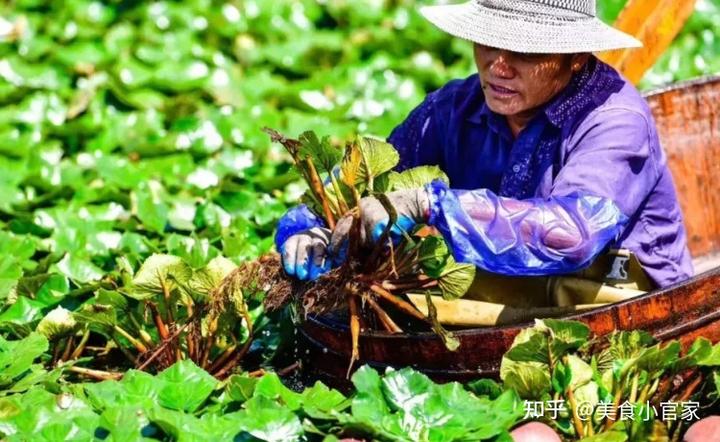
(656, 23)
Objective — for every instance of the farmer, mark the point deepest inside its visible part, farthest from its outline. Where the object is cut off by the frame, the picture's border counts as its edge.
(553, 160)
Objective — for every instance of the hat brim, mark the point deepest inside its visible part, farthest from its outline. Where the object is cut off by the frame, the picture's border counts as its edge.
(536, 33)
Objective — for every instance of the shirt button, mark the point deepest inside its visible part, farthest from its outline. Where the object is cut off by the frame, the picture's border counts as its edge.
(516, 168)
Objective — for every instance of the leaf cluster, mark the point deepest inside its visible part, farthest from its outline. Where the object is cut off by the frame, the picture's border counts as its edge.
(559, 361)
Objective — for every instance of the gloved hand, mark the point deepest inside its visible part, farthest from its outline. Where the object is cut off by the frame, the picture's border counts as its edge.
(412, 206)
(304, 255)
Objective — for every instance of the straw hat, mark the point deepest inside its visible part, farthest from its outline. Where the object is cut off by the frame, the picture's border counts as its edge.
(532, 26)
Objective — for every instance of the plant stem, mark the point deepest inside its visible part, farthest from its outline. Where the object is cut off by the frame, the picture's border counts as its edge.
(398, 303)
(577, 422)
(161, 327)
(209, 343)
(690, 389)
(648, 391)
(235, 359)
(68, 348)
(136, 343)
(220, 360)
(125, 351)
(81, 345)
(97, 374)
(354, 330)
(405, 286)
(634, 388)
(317, 187)
(190, 342)
(160, 348)
(58, 349)
(166, 296)
(616, 402)
(340, 198)
(144, 336)
(385, 319)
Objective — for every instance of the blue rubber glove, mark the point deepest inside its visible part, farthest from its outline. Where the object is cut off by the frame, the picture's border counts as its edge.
(304, 255)
(411, 206)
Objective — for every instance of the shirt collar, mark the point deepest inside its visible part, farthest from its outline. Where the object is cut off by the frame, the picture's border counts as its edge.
(562, 109)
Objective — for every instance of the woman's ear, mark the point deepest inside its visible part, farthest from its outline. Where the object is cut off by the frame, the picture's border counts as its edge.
(578, 61)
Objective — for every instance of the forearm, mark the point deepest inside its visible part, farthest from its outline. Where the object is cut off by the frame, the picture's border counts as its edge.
(558, 233)
(532, 237)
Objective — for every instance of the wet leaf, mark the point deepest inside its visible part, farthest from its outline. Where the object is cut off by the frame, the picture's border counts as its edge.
(158, 273)
(56, 324)
(377, 157)
(16, 357)
(185, 386)
(416, 177)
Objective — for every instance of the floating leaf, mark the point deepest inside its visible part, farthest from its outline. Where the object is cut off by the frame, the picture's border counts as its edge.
(16, 357)
(58, 323)
(185, 386)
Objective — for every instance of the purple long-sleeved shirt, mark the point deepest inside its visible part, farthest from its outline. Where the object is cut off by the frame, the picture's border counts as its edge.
(589, 166)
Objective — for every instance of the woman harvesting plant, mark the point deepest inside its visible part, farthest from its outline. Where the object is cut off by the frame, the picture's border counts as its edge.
(552, 158)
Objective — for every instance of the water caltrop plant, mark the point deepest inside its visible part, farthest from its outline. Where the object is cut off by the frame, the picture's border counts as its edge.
(168, 311)
(371, 281)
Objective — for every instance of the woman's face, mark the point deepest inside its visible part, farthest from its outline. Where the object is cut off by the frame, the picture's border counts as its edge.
(515, 84)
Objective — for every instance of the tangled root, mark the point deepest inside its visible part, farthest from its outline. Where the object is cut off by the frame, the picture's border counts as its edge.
(266, 274)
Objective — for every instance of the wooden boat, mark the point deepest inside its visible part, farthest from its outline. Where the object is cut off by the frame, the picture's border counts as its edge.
(688, 121)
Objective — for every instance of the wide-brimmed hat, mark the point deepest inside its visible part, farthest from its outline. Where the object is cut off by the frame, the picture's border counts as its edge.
(532, 26)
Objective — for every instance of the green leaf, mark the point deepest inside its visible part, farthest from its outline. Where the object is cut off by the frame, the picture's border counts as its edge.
(704, 358)
(271, 387)
(433, 256)
(656, 359)
(456, 279)
(22, 312)
(181, 76)
(240, 387)
(124, 423)
(16, 357)
(48, 417)
(485, 387)
(269, 421)
(185, 386)
(208, 278)
(610, 436)
(150, 207)
(561, 378)
(369, 404)
(530, 345)
(320, 402)
(565, 335)
(56, 324)
(416, 177)
(323, 154)
(531, 380)
(378, 157)
(159, 272)
(135, 389)
(78, 269)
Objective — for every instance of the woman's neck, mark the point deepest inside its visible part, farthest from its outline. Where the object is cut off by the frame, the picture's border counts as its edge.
(518, 122)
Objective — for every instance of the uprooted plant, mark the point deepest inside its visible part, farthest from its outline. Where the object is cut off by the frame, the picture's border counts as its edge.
(370, 284)
(165, 312)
